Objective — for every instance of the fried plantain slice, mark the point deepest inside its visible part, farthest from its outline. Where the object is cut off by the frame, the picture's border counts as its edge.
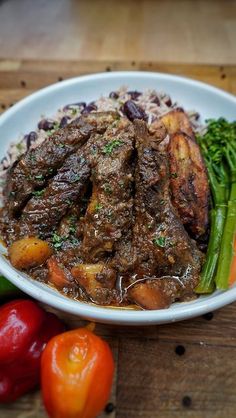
(188, 183)
(177, 120)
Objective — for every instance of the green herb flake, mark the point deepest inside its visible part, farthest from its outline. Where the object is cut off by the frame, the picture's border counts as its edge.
(61, 145)
(110, 214)
(72, 218)
(31, 157)
(72, 229)
(74, 111)
(174, 175)
(20, 147)
(38, 193)
(76, 178)
(57, 241)
(108, 148)
(107, 188)
(162, 202)
(98, 207)
(159, 242)
(74, 241)
(39, 177)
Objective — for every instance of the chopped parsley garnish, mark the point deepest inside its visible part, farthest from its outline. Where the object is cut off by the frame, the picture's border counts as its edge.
(55, 127)
(162, 202)
(159, 242)
(20, 147)
(72, 218)
(39, 177)
(61, 145)
(110, 214)
(74, 241)
(57, 241)
(76, 178)
(38, 193)
(174, 175)
(74, 111)
(31, 157)
(72, 229)
(98, 207)
(107, 188)
(108, 149)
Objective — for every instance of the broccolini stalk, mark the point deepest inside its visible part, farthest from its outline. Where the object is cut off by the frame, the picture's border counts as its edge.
(218, 178)
(219, 149)
(228, 238)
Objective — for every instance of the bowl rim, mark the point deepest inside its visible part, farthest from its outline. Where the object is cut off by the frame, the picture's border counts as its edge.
(105, 314)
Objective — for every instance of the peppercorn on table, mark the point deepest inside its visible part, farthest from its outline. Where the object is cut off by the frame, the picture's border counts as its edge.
(182, 370)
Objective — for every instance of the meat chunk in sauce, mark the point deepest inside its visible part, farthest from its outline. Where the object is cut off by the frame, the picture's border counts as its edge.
(163, 252)
(32, 170)
(43, 212)
(108, 216)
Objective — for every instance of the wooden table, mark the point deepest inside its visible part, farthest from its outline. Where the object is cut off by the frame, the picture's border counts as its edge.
(181, 370)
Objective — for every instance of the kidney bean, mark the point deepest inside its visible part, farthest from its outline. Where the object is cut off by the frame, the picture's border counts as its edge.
(156, 100)
(46, 124)
(31, 137)
(73, 105)
(113, 95)
(91, 106)
(132, 111)
(2, 162)
(168, 102)
(64, 121)
(134, 94)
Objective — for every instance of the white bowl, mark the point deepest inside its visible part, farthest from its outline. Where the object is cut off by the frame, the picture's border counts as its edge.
(23, 117)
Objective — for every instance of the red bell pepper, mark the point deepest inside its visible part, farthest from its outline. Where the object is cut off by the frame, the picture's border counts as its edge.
(25, 329)
(76, 374)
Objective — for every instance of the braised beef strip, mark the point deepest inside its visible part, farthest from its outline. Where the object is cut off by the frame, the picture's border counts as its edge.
(44, 211)
(163, 251)
(32, 170)
(108, 216)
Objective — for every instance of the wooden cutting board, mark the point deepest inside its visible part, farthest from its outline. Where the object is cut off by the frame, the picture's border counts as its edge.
(182, 370)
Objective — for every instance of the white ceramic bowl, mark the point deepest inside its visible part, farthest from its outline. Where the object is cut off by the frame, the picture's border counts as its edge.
(23, 117)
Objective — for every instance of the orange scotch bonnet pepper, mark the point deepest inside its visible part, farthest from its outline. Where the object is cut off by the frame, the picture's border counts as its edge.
(76, 374)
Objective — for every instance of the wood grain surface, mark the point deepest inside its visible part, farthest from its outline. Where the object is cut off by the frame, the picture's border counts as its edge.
(199, 31)
(182, 370)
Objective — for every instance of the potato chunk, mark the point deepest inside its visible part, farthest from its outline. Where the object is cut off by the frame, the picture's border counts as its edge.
(29, 252)
(95, 279)
(149, 296)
